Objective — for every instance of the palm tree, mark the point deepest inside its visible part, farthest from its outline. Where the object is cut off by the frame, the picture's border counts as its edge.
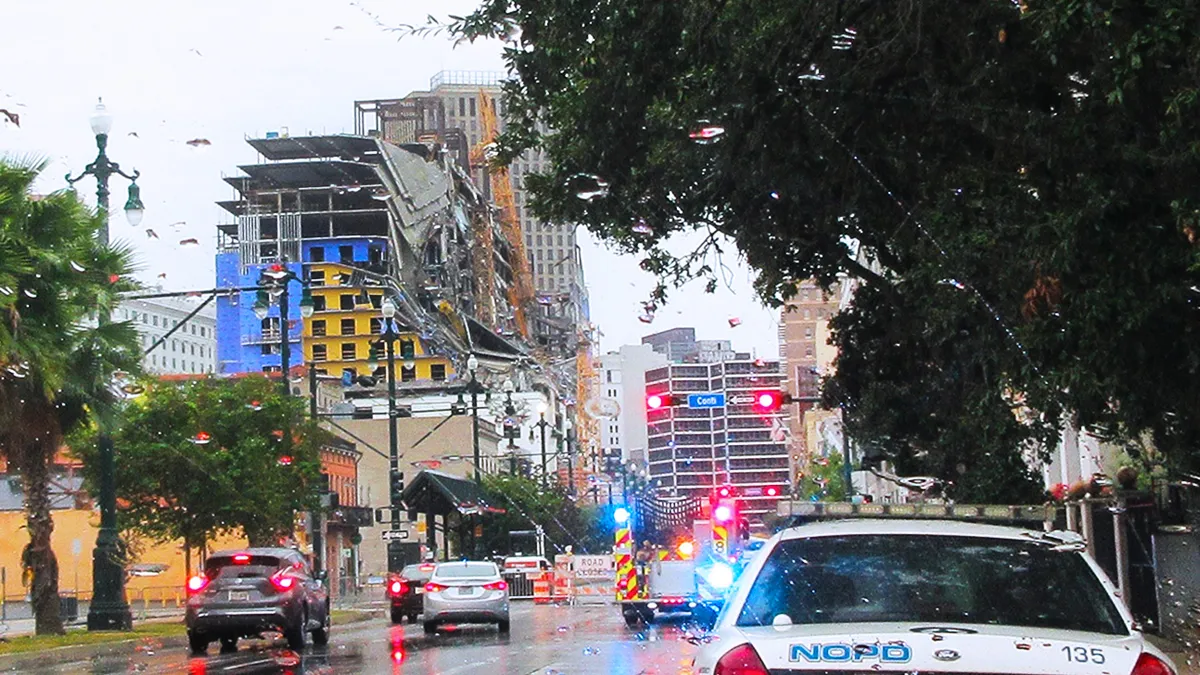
(55, 370)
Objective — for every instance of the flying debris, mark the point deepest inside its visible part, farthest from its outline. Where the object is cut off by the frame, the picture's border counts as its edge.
(134, 134)
(195, 51)
(151, 234)
(646, 318)
(162, 275)
(12, 116)
(178, 223)
(189, 242)
(734, 322)
(198, 142)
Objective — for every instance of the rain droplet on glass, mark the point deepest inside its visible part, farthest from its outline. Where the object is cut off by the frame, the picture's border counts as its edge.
(77, 267)
(813, 74)
(706, 133)
(201, 438)
(641, 228)
(588, 187)
(30, 293)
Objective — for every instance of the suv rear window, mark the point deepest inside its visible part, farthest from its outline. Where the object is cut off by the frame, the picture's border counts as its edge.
(225, 567)
(929, 579)
(466, 570)
(417, 572)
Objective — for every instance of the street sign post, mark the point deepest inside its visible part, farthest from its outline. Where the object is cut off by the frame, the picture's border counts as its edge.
(393, 535)
(706, 400)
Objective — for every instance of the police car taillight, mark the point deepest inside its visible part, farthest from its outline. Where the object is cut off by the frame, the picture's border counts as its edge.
(1148, 664)
(744, 660)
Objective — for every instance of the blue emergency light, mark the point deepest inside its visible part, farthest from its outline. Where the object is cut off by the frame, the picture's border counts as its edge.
(621, 515)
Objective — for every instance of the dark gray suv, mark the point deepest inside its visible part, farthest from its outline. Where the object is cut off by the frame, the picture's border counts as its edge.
(246, 592)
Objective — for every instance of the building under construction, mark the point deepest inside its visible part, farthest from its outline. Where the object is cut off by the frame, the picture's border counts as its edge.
(360, 219)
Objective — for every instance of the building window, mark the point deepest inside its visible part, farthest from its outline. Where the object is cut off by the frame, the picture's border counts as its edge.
(378, 350)
(437, 372)
(318, 327)
(318, 303)
(408, 373)
(316, 278)
(375, 256)
(408, 349)
(155, 319)
(808, 351)
(807, 314)
(349, 353)
(319, 352)
(377, 300)
(348, 327)
(316, 254)
(808, 333)
(462, 107)
(346, 301)
(346, 254)
(174, 364)
(376, 326)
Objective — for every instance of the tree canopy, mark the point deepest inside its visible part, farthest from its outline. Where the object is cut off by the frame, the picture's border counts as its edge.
(214, 455)
(1012, 184)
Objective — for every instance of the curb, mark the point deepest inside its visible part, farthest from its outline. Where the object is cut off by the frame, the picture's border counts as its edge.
(59, 655)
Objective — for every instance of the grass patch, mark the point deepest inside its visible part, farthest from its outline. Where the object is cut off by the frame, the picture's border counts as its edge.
(81, 636)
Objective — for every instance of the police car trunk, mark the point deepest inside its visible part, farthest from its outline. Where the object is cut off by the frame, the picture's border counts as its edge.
(857, 597)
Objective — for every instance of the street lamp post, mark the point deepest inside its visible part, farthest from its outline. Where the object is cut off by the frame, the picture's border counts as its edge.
(472, 366)
(509, 411)
(108, 609)
(390, 335)
(275, 280)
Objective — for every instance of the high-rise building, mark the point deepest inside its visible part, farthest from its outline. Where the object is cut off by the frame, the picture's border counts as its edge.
(803, 336)
(693, 449)
(622, 422)
(450, 112)
(680, 345)
(191, 348)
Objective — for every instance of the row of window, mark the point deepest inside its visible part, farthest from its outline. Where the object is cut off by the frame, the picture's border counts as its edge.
(349, 326)
(349, 351)
(187, 367)
(345, 254)
(178, 346)
(154, 320)
(348, 301)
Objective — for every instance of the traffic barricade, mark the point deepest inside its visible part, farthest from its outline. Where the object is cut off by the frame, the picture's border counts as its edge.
(543, 588)
(593, 579)
(563, 577)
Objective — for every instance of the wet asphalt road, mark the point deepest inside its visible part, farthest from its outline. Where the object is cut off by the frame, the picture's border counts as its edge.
(545, 639)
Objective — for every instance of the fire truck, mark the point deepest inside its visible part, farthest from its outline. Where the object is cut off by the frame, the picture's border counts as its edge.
(676, 554)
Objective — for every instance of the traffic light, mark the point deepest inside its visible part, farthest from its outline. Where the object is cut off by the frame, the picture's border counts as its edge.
(660, 401)
(771, 491)
(724, 520)
(397, 486)
(770, 401)
(621, 515)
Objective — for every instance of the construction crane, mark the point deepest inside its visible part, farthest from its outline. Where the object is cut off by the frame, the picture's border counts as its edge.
(520, 292)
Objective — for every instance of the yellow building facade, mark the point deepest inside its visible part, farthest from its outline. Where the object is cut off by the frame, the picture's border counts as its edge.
(347, 320)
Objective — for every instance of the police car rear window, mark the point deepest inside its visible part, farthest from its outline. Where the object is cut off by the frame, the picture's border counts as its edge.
(929, 579)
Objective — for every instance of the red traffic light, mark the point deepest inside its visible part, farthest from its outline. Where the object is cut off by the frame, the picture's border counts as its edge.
(659, 401)
(723, 514)
(768, 401)
(771, 491)
(724, 491)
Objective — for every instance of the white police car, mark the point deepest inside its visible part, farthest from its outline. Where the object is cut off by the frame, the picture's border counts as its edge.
(857, 597)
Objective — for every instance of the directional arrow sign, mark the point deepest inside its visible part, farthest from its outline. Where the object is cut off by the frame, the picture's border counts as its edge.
(389, 535)
(743, 399)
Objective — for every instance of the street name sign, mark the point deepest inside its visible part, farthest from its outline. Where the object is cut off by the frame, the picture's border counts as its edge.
(706, 400)
(390, 535)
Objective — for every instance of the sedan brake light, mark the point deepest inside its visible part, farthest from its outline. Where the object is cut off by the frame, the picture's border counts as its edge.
(397, 587)
(1148, 664)
(196, 584)
(435, 588)
(242, 558)
(744, 660)
(496, 586)
(282, 583)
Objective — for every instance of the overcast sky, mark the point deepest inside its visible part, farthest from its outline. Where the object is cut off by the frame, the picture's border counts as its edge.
(225, 70)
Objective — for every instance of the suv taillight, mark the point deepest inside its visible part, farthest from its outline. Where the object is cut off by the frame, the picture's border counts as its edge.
(743, 660)
(196, 584)
(435, 588)
(496, 586)
(1148, 664)
(397, 587)
(283, 583)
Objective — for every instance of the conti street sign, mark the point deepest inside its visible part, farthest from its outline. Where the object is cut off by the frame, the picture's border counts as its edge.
(392, 535)
(706, 400)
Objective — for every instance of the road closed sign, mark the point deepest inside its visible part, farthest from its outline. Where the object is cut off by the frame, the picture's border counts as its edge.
(594, 567)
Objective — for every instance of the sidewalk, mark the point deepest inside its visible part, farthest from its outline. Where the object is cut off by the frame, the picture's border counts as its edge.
(1186, 661)
(18, 627)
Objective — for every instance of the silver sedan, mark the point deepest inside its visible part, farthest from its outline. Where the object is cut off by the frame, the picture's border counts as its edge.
(466, 592)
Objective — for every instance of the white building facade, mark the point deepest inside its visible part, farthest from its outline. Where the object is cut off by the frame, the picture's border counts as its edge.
(623, 392)
(190, 349)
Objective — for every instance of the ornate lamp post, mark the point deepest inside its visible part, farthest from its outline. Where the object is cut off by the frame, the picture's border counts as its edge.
(275, 281)
(108, 609)
(542, 424)
(472, 366)
(396, 478)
